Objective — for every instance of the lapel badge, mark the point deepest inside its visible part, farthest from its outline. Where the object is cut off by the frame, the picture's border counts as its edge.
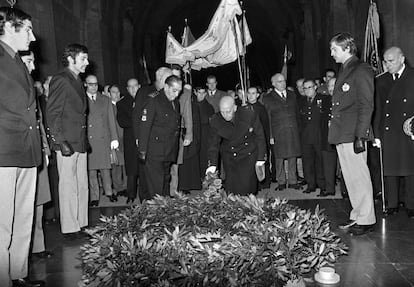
(345, 87)
(250, 129)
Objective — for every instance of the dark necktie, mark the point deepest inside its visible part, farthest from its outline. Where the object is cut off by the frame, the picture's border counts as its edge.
(396, 76)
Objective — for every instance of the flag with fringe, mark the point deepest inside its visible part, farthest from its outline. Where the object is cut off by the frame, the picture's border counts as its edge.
(372, 34)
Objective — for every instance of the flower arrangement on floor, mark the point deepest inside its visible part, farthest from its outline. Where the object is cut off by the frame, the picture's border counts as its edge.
(212, 239)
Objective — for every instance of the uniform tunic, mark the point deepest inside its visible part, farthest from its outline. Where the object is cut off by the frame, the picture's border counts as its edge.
(241, 142)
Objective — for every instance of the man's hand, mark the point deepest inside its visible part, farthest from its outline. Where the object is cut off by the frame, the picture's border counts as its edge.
(272, 141)
(66, 149)
(260, 162)
(376, 143)
(211, 169)
(137, 142)
(142, 156)
(359, 145)
(186, 142)
(114, 144)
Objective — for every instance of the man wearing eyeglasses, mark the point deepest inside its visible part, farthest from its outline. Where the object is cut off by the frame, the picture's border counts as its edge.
(310, 110)
(66, 113)
(102, 138)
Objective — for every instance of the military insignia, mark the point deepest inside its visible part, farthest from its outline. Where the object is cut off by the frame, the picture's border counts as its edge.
(345, 87)
(250, 129)
(144, 115)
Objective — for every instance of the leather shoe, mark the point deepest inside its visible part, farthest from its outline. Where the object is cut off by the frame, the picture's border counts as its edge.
(323, 193)
(122, 193)
(280, 187)
(28, 283)
(112, 198)
(347, 224)
(44, 254)
(391, 211)
(296, 186)
(94, 203)
(410, 213)
(357, 229)
(130, 200)
(309, 190)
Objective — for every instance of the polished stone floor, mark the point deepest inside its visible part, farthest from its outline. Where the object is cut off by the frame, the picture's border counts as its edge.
(384, 257)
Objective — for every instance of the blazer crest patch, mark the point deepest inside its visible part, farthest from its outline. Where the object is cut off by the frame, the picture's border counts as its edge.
(345, 87)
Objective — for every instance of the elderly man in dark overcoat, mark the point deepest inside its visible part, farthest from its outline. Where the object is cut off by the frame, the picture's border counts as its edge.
(394, 107)
(237, 134)
(282, 109)
(350, 128)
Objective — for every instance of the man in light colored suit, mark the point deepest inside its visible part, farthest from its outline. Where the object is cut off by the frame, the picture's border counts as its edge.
(66, 117)
(102, 137)
(20, 148)
(352, 107)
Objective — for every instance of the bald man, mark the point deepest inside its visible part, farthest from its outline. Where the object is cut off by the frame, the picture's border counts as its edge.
(236, 132)
(102, 138)
(394, 106)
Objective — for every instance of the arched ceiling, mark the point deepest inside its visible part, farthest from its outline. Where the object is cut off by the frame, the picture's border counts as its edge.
(272, 23)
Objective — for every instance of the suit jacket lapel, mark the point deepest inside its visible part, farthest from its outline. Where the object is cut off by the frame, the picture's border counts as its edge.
(77, 85)
(344, 73)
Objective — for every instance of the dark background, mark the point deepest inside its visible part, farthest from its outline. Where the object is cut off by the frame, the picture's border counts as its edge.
(119, 33)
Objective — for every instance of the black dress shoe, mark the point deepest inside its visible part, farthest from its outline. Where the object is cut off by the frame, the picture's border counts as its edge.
(28, 283)
(347, 224)
(274, 180)
(43, 255)
(309, 190)
(296, 186)
(94, 203)
(280, 187)
(410, 213)
(391, 211)
(130, 200)
(122, 193)
(323, 193)
(112, 198)
(357, 229)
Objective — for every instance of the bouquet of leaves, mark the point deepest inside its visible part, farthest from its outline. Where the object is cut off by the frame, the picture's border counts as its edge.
(213, 239)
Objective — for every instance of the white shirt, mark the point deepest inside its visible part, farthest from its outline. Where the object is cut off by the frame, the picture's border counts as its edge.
(92, 97)
(400, 71)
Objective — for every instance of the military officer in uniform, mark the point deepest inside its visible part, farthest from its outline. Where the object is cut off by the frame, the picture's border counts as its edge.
(310, 110)
(238, 136)
(158, 136)
(352, 107)
(394, 106)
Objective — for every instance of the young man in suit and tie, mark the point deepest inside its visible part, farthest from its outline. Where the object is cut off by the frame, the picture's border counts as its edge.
(66, 113)
(352, 107)
(20, 149)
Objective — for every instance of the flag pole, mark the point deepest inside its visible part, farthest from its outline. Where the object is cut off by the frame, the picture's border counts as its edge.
(233, 25)
(244, 47)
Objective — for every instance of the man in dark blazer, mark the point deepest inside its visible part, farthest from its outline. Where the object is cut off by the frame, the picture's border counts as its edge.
(238, 136)
(352, 107)
(310, 110)
(158, 136)
(66, 113)
(282, 109)
(213, 94)
(20, 148)
(394, 106)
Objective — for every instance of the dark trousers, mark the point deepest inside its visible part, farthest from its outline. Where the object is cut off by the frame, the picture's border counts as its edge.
(132, 186)
(52, 207)
(329, 159)
(374, 167)
(158, 177)
(312, 166)
(392, 188)
(143, 186)
(273, 164)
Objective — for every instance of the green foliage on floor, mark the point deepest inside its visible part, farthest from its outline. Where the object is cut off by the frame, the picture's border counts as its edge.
(213, 239)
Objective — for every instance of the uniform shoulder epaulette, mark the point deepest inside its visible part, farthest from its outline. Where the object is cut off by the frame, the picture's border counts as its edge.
(154, 94)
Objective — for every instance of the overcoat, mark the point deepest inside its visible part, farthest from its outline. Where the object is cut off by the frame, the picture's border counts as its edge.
(284, 120)
(352, 103)
(124, 118)
(19, 130)
(240, 142)
(101, 131)
(394, 104)
(159, 128)
(66, 111)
